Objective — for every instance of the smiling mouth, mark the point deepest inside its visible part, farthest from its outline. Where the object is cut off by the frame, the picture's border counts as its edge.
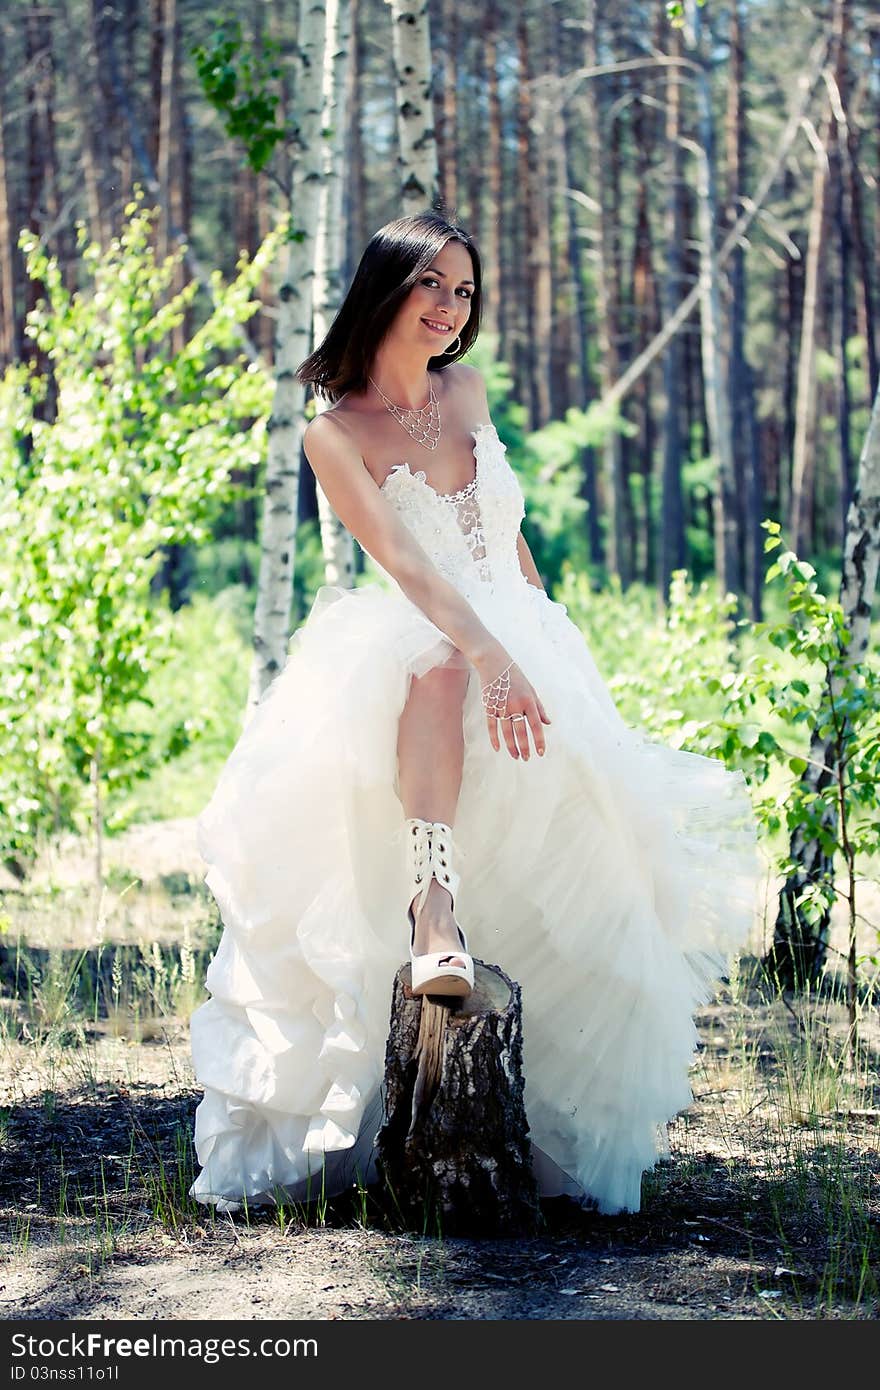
(437, 327)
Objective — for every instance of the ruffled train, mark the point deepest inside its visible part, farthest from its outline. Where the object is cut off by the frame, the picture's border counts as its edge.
(611, 878)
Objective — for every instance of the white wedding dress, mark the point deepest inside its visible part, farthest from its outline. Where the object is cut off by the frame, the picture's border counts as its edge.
(610, 878)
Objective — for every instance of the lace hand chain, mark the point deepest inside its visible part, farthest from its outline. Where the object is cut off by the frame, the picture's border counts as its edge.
(494, 695)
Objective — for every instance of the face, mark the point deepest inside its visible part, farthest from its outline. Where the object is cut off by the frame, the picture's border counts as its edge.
(441, 295)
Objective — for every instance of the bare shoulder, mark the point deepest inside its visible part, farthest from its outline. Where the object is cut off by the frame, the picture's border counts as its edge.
(469, 384)
(329, 434)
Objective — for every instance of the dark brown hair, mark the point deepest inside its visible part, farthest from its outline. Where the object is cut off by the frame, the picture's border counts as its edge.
(394, 259)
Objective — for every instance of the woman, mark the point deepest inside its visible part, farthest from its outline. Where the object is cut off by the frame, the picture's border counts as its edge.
(608, 874)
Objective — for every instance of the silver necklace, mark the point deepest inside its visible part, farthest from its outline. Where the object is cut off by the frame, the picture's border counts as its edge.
(422, 425)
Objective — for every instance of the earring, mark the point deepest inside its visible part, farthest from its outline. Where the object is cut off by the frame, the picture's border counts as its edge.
(452, 349)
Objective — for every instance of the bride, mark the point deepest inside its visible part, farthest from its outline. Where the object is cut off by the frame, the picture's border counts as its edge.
(609, 874)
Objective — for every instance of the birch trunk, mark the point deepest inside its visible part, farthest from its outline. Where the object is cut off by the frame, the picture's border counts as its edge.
(717, 402)
(800, 947)
(417, 157)
(292, 345)
(336, 541)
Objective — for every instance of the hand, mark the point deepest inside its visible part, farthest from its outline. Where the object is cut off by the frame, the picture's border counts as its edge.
(522, 699)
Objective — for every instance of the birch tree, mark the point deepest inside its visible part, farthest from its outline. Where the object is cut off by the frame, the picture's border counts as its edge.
(336, 540)
(799, 947)
(292, 345)
(418, 173)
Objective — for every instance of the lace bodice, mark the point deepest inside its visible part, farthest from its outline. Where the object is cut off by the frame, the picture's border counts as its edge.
(470, 535)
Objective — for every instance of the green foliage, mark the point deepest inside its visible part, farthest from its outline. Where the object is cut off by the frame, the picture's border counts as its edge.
(815, 696)
(136, 454)
(655, 659)
(236, 76)
(675, 12)
(755, 694)
(203, 681)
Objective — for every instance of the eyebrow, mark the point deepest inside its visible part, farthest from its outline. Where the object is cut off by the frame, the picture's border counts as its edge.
(443, 273)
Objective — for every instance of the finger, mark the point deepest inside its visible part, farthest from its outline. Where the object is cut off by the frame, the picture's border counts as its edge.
(521, 728)
(537, 733)
(509, 738)
(544, 715)
(492, 725)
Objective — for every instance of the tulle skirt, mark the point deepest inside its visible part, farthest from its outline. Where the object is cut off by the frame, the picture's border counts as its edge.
(611, 878)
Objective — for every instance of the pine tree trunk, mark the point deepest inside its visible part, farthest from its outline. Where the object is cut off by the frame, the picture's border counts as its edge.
(645, 323)
(803, 466)
(608, 365)
(418, 175)
(445, 100)
(566, 331)
(717, 403)
(672, 546)
(519, 329)
(292, 346)
(539, 267)
(337, 542)
(494, 304)
(355, 188)
(742, 399)
(10, 276)
(453, 1147)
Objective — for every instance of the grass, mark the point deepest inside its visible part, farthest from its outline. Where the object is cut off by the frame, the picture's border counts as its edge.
(771, 1198)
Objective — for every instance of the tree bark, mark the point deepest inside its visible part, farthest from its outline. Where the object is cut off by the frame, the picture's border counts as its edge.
(644, 326)
(446, 107)
(10, 274)
(711, 335)
(672, 539)
(453, 1147)
(742, 397)
(803, 466)
(418, 174)
(292, 345)
(797, 956)
(566, 385)
(606, 326)
(337, 542)
(494, 304)
(538, 210)
(521, 348)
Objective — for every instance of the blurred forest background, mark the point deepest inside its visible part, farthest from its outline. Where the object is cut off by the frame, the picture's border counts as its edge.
(583, 192)
(677, 209)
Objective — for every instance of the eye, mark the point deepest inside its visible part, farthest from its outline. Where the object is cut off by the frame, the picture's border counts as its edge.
(431, 280)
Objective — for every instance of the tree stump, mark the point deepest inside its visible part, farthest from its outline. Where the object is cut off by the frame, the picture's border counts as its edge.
(453, 1148)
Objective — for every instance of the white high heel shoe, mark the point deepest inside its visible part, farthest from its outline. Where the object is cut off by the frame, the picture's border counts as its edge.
(430, 844)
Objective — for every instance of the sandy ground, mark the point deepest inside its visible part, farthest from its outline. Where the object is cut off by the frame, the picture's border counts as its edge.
(761, 1213)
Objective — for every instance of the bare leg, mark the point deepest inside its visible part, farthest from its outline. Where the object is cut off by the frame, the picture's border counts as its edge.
(430, 756)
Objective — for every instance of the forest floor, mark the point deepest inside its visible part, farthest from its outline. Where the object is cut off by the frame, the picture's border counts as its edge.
(768, 1207)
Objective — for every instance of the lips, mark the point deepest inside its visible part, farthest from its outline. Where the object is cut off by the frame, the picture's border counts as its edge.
(444, 332)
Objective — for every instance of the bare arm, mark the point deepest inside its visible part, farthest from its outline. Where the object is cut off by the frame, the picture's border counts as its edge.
(527, 563)
(374, 523)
